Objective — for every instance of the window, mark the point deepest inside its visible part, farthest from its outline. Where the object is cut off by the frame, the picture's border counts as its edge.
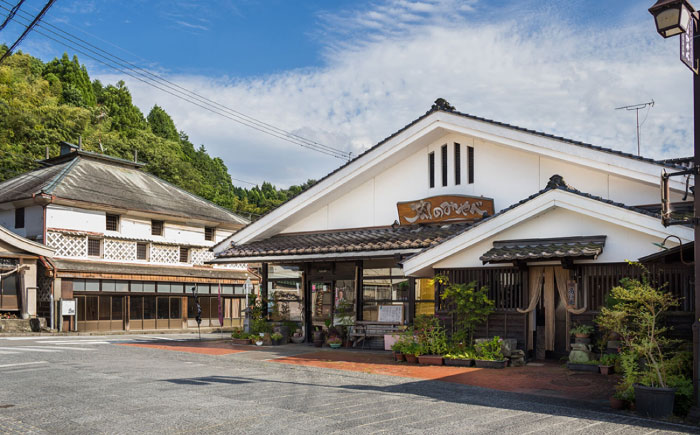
(470, 164)
(175, 308)
(156, 228)
(112, 223)
(209, 233)
(184, 254)
(94, 247)
(142, 251)
(458, 165)
(431, 169)
(19, 217)
(443, 152)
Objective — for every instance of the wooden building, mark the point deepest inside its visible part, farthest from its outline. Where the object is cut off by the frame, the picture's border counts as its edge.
(547, 223)
(129, 246)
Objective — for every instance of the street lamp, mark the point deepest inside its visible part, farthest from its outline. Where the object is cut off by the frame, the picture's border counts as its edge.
(672, 16)
(678, 17)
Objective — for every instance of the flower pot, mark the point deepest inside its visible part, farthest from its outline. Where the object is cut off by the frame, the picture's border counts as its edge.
(488, 364)
(240, 340)
(459, 362)
(297, 339)
(654, 402)
(606, 370)
(431, 360)
(318, 338)
(277, 342)
(616, 403)
(411, 358)
(585, 339)
(335, 345)
(398, 356)
(592, 368)
(259, 343)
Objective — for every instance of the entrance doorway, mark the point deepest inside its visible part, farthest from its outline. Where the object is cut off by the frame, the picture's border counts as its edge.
(321, 302)
(549, 331)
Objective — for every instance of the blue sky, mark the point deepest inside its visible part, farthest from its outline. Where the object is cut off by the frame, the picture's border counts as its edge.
(349, 73)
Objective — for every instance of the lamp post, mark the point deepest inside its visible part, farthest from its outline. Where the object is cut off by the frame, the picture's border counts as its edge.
(678, 17)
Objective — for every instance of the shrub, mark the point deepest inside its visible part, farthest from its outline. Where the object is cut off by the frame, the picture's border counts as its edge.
(490, 350)
(276, 336)
(471, 307)
(582, 329)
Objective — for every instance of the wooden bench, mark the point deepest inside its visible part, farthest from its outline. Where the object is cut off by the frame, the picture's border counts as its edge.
(362, 330)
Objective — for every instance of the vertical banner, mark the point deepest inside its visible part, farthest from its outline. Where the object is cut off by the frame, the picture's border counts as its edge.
(221, 308)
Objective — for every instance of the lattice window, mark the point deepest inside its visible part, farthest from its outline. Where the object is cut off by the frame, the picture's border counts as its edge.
(66, 245)
(184, 254)
(200, 256)
(119, 250)
(165, 254)
(142, 251)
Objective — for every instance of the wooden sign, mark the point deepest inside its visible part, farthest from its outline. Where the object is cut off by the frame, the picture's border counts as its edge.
(444, 208)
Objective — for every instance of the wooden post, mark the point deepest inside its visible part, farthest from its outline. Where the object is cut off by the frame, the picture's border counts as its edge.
(359, 293)
(411, 300)
(263, 289)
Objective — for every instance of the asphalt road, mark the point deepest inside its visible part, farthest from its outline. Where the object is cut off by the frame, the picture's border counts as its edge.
(89, 385)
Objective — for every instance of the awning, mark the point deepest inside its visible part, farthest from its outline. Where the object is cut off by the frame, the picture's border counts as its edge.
(507, 251)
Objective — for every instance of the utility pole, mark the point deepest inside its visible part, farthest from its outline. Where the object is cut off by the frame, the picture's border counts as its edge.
(636, 108)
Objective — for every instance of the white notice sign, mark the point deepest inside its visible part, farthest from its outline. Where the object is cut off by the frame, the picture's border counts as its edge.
(67, 307)
(391, 313)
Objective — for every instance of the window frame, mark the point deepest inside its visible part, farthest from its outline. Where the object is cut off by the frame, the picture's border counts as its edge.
(470, 165)
(99, 244)
(443, 163)
(186, 250)
(212, 233)
(458, 163)
(145, 252)
(431, 169)
(20, 215)
(116, 219)
(157, 224)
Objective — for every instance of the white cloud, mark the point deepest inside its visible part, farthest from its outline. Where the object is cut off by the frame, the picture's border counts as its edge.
(385, 66)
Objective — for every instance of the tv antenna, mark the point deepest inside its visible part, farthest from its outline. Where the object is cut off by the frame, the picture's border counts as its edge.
(636, 108)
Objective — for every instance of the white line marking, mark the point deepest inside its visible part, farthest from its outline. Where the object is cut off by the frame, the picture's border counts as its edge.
(64, 347)
(6, 352)
(28, 349)
(72, 342)
(24, 364)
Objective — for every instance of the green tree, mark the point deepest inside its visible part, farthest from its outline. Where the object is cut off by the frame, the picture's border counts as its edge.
(162, 124)
(77, 89)
(469, 305)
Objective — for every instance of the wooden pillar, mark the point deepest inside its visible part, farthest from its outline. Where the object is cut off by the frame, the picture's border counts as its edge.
(307, 302)
(263, 288)
(359, 296)
(411, 300)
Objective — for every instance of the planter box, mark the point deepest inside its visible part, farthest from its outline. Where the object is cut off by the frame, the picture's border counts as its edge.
(411, 358)
(430, 360)
(240, 340)
(654, 402)
(606, 370)
(459, 362)
(592, 368)
(335, 345)
(616, 403)
(398, 356)
(485, 364)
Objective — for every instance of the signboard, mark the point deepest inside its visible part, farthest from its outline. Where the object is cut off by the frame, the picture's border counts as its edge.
(687, 54)
(444, 208)
(67, 307)
(390, 313)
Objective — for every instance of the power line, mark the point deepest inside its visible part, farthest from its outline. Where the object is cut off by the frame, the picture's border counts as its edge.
(11, 15)
(29, 28)
(185, 94)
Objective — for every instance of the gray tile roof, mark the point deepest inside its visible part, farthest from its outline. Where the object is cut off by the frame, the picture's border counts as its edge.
(103, 180)
(353, 240)
(506, 251)
(65, 266)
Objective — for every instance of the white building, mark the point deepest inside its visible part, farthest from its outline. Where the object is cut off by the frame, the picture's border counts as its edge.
(523, 212)
(129, 246)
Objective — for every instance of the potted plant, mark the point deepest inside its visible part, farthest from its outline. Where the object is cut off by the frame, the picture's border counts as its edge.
(582, 333)
(607, 364)
(276, 338)
(636, 316)
(318, 337)
(584, 366)
(397, 348)
(239, 337)
(460, 358)
(298, 336)
(335, 342)
(489, 354)
(259, 340)
(411, 351)
(431, 339)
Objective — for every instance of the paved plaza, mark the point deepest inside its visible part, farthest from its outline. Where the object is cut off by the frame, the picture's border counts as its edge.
(163, 384)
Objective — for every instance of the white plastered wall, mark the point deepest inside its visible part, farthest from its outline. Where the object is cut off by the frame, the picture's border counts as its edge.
(501, 172)
(621, 243)
(33, 222)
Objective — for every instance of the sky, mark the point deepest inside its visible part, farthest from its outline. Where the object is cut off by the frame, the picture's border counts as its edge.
(347, 73)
